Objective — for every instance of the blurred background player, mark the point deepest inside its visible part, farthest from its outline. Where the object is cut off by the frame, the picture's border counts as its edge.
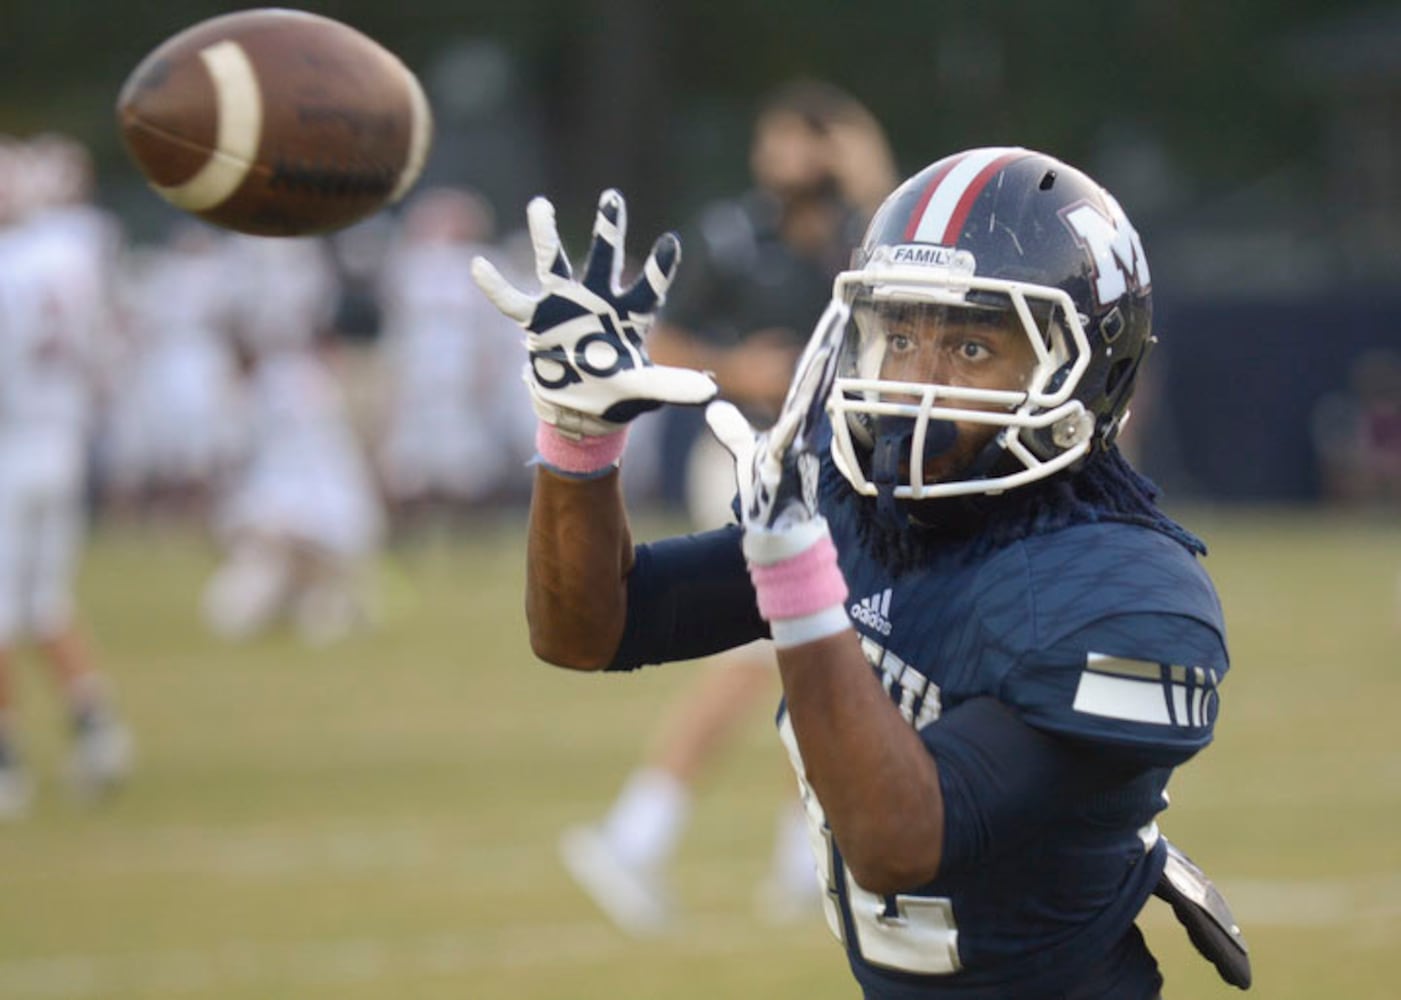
(1357, 440)
(448, 385)
(301, 519)
(56, 260)
(171, 430)
(758, 273)
(1357, 434)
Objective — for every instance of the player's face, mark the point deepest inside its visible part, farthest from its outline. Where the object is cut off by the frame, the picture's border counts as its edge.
(788, 157)
(952, 346)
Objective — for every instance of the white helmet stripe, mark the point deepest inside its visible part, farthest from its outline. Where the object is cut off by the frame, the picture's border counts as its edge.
(948, 193)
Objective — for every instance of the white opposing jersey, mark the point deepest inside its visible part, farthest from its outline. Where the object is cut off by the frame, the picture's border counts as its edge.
(55, 311)
(305, 478)
(437, 325)
(180, 387)
(283, 291)
(442, 342)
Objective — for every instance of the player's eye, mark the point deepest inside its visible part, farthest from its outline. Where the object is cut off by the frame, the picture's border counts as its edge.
(898, 343)
(972, 350)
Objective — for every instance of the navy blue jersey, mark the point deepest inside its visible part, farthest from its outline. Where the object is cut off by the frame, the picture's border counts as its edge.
(1108, 636)
(1102, 641)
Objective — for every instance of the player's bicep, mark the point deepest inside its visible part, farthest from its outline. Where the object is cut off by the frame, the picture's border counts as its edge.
(1146, 683)
(688, 597)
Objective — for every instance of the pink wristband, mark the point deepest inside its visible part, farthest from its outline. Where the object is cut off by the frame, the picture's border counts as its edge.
(801, 585)
(579, 456)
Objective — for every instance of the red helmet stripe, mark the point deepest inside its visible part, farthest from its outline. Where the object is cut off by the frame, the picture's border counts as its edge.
(922, 205)
(970, 195)
(962, 176)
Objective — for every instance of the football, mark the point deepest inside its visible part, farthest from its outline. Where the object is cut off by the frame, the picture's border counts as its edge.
(275, 122)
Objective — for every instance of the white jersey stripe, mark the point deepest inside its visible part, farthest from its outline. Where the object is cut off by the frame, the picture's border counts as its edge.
(1180, 707)
(1142, 691)
(944, 201)
(1124, 698)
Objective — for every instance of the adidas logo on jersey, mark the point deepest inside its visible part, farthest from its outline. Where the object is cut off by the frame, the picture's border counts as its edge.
(873, 611)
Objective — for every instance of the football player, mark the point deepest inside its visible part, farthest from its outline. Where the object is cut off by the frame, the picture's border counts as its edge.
(57, 254)
(439, 455)
(994, 647)
(170, 432)
(301, 520)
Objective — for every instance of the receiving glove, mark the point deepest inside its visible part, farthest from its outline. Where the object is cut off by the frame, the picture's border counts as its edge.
(588, 372)
(787, 545)
(776, 471)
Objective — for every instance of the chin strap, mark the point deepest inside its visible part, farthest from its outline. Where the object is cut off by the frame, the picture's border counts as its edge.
(894, 443)
(894, 448)
(986, 462)
(890, 450)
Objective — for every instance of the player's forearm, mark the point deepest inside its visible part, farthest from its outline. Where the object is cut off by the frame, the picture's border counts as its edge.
(877, 784)
(578, 554)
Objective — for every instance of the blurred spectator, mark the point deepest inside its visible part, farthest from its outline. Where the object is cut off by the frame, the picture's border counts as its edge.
(1357, 434)
(301, 521)
(56, 259)
(442, 451)
(757, 269)
(755, 276)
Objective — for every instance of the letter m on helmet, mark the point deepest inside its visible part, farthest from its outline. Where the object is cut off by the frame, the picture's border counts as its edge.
(1113, 245)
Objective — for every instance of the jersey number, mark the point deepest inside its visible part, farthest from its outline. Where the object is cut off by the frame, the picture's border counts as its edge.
(914, 934)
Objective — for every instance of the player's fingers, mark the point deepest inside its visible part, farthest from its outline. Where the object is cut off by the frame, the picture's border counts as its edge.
(817, 404)
(817, 367)
(605, 260)
(731, 430)
(550, 261)
(512, 302)
(782, 434)
(649, 290)
(680, 386)
(826, 336)
(807, 382)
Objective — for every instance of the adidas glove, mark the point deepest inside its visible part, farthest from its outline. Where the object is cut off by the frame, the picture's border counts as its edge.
(776, 471)
(588, 371)
(791, 558)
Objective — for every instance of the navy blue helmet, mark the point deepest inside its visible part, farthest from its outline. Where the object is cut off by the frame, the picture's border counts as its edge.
(997, 238)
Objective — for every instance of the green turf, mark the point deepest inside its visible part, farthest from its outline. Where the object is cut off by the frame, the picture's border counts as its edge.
(377, 819)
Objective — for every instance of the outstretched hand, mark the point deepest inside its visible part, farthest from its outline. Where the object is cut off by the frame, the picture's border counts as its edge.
(588, 371)
(777, 471)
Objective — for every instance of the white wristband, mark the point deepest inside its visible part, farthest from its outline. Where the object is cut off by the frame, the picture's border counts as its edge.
(790, 632)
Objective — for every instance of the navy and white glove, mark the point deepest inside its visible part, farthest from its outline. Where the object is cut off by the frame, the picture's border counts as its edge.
(777, 471)
(589, 373)
(792, 561)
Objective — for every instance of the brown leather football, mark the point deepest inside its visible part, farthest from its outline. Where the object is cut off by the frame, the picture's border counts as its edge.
(275, 122)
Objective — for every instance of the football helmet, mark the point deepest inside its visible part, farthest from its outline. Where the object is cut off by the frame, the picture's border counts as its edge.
(991, 327)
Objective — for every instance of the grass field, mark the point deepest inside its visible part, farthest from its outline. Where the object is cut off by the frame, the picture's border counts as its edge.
(377, 819)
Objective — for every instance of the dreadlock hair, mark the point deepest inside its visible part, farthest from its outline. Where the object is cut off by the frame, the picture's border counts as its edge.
(1106, 489)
